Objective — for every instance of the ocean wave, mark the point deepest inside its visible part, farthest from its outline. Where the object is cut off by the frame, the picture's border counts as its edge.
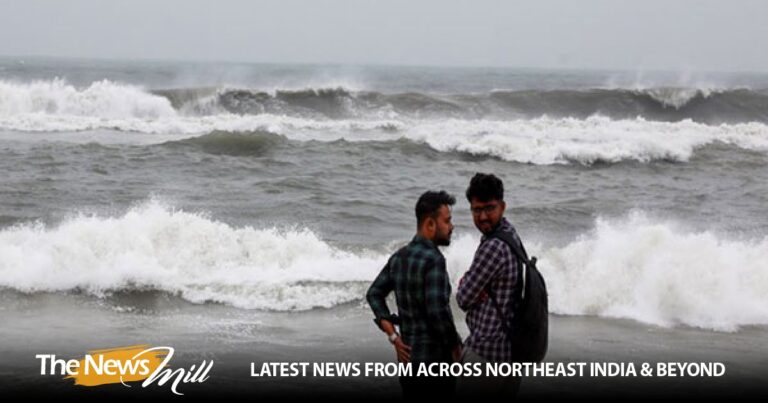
(55, 106)
(677, 98)
(638, 268)
(655, 272)
(109, 100)
(254, 143)
(101, 100)
(597, 139)
(647, 102)
(670, 104)
(154, 247)
(540, 141)
(300, 128)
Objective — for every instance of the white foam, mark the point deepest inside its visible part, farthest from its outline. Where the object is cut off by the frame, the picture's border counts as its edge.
(656, 273)
(676, 97)
(61, 101)
(184, 126)
(155, 247)
(553, 141)
(538, 141)
(637, 268)
(55, 106)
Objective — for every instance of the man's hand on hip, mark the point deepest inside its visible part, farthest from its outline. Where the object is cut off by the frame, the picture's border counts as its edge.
(403, 350)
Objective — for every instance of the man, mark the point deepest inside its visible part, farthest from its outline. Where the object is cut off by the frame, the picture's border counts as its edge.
(486, 290)
(418, 276)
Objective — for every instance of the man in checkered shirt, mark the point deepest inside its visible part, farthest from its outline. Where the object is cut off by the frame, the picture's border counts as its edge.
(417, 275)
(493, 271)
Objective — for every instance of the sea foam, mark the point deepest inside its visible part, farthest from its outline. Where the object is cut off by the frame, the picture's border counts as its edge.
(638, 268)
(57, 107)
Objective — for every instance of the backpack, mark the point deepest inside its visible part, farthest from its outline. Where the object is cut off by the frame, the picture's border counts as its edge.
(528, 329)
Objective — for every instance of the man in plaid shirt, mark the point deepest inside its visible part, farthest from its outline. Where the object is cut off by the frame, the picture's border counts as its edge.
(418, 276)
(493, 272)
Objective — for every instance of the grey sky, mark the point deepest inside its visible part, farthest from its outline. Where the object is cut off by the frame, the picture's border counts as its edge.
(649, 34)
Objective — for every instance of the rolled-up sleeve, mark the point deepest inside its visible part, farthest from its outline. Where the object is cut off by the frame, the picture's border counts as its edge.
(437, 296)
(486, 263)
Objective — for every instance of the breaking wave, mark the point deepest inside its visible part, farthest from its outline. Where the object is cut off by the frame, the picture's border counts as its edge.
(109, 100)
(638, 268)
(596, 134)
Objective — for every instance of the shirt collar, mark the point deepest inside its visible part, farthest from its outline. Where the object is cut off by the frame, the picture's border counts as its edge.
(424, 241)
(503, 224)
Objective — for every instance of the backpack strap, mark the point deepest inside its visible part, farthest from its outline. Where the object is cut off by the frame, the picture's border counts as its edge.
(515, 244)
(517, 248)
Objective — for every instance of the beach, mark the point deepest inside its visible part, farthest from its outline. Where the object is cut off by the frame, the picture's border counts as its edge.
(235, 338)
(238, 213)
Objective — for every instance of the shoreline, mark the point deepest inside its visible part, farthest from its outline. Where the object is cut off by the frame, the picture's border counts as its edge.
(235, 338)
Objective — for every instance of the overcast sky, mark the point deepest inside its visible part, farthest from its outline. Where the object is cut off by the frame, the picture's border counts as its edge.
(649, 34)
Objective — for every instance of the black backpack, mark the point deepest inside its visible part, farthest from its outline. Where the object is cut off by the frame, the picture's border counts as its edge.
(529, 327)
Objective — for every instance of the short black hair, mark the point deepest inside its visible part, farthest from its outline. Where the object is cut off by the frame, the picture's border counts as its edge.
(485, 187)
(430, 202)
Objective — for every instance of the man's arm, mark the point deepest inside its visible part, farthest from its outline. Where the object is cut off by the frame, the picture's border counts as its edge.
(377, 296)
(437, 297)
(485, 265)
(377, 299)
(402, 350)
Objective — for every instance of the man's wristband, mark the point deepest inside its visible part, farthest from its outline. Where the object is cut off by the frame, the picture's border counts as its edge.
(392, 337)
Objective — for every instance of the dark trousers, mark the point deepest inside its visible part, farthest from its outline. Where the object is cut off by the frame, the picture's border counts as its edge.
(486, 386)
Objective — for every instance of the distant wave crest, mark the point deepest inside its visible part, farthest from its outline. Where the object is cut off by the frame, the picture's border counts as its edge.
(439, 121)
(110, 100)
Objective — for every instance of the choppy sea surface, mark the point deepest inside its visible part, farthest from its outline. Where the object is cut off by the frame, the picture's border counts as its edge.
(286, 187)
